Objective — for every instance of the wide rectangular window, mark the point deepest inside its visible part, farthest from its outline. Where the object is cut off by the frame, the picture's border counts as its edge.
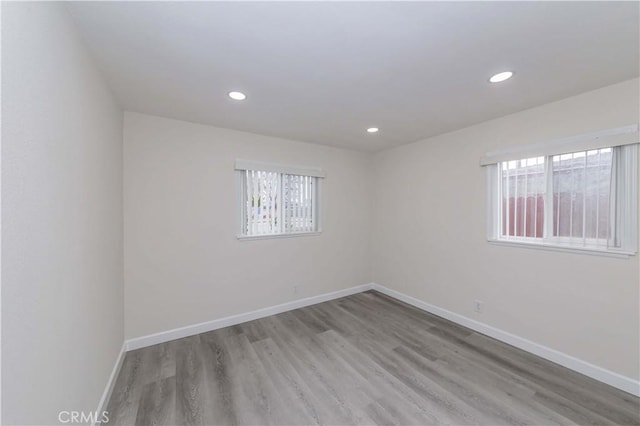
(277, 200)
(582, 199)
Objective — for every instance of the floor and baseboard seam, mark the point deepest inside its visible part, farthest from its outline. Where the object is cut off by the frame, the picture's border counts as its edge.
(611, 378)
(106, 395)
(191, 330)
(601, 374)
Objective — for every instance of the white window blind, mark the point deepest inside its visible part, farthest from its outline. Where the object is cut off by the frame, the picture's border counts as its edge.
(582, 196)
(582, 199)
(299, 203)
(277, 203)
(263, 206)
(279, 168)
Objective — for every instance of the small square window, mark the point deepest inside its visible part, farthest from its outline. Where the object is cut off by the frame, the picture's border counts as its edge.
(277, 203)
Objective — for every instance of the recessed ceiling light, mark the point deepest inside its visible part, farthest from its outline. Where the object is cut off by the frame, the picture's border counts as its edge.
(372, 130)
(501, 76)
(237, 96)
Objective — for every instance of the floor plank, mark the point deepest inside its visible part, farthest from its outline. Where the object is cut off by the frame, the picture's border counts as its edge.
(362, 359)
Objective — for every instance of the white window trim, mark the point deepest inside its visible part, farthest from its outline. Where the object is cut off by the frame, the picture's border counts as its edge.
(271, 236)
(625, 135)
(628, 210)
(558, 248)
(242, 165)
(279, 168)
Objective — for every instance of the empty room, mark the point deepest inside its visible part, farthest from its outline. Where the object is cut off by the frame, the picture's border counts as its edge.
(320, 213)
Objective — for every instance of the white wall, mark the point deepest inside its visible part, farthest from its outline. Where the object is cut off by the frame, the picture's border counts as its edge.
(62, 277)
(183, 263)
(429, 238)
(62, 187)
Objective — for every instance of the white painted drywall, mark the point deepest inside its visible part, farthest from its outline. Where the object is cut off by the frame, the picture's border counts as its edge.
(62, 181)
(183, 263)
(62, 276)
(428, 238)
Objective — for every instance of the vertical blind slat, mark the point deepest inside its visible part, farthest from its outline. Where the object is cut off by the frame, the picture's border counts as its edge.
(313, 205)
(276, 203)
(508, 203)
(308, 202)
(584, 201)
(526, 198)
(572, 197)
(598, 198)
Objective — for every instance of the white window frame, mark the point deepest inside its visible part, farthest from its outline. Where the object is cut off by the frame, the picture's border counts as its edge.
(624, 183)
(241, 166)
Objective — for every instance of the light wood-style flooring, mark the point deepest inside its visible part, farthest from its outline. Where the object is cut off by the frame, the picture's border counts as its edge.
(362, 359)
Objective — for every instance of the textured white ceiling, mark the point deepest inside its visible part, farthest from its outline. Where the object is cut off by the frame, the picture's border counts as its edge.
(323, 72)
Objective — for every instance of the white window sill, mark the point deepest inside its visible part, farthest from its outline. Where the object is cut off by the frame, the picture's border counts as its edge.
(554, 247)
(271, 236)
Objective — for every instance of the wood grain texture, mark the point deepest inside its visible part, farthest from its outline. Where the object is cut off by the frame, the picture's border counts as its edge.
(362, 359)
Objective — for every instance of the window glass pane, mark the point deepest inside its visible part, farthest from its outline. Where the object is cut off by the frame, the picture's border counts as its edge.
(523, 187)
(581, 188)
(277, 203)
(580, 200)
(262, 202)
(299, 194)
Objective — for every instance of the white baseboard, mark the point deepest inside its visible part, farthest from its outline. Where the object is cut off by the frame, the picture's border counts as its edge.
(102, 405)
(611, 378)
(191, 330)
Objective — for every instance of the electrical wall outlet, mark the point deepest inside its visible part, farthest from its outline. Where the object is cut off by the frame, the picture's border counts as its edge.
(478, 306)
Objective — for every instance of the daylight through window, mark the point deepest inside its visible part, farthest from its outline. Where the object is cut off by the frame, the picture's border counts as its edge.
(584, 199)
(277, 203)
